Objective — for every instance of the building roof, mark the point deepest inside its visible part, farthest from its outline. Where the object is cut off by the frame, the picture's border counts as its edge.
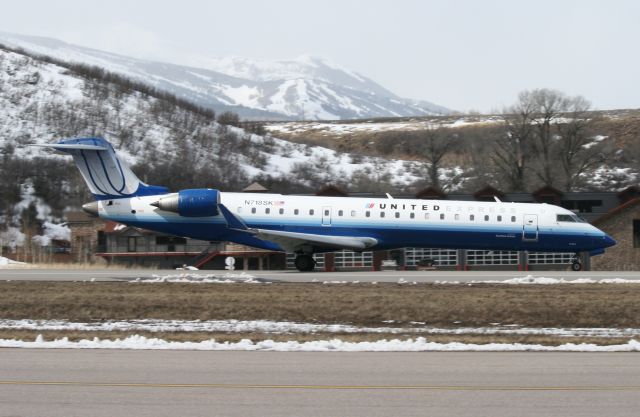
(431, 193)
(488, 191)
(616, 211)
(255, 187)
(81, 217)
(331, 191)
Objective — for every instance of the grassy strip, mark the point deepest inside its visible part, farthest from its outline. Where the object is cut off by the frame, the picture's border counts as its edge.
(346, 337)
(589, 305)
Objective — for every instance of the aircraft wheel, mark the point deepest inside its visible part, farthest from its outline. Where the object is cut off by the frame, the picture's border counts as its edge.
(576, 266)
(305, 263)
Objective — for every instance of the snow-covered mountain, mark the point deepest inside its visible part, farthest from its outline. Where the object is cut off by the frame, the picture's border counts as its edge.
(302, 88)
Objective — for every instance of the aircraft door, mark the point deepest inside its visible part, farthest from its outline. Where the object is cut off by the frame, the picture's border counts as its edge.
(530, 227)
(326, 216)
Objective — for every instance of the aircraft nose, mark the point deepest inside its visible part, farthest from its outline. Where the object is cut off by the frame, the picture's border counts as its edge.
(608, 241)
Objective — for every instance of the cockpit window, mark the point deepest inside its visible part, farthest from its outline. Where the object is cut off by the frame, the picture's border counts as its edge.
(579, 219)
(566, 218)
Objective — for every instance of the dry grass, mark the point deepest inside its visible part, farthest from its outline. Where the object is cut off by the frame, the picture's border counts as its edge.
(363, 304)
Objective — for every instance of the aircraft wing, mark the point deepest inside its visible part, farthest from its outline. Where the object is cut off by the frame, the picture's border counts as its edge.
(292, 241)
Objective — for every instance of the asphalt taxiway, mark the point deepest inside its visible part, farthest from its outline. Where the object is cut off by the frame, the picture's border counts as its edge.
(191, 383)
(109, 274)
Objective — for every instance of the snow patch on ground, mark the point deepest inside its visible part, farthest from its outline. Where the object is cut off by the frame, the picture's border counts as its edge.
(228, 278)
(530, 279)
(9, 263)
(285, 327)
(420, 344)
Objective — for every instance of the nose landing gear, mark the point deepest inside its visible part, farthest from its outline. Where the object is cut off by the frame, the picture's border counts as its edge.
(576, 265)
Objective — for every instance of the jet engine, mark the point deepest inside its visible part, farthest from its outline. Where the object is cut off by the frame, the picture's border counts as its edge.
(198, 202)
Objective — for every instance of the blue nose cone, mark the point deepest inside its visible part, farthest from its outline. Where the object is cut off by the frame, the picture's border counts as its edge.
(608, 241)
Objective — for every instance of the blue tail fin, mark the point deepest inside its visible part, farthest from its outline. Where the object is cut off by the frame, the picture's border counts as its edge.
(107, 177)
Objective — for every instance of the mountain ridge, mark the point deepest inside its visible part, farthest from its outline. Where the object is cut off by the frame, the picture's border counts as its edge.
(306, 88)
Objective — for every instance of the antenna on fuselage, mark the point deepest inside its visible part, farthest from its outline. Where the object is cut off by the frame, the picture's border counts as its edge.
(497, 199)
(389, 196)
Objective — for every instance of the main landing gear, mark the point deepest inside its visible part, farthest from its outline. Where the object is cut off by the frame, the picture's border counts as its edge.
(576, 265)
(305, 263)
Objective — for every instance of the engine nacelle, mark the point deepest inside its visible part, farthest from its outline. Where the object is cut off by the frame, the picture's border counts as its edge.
(198, 202)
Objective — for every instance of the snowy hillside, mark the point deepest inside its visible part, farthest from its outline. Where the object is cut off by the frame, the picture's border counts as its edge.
(303, 88)
(165, 142)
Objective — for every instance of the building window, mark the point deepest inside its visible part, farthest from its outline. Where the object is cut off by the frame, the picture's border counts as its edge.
(636, 233)
(131, 244)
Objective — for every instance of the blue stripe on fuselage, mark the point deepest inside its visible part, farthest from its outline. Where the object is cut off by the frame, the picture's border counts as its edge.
(389, 235)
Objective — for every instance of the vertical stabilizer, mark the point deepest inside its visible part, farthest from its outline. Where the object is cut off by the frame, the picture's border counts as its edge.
(102, 170)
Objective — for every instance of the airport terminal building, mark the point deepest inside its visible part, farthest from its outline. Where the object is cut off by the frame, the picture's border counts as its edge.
(617, 213)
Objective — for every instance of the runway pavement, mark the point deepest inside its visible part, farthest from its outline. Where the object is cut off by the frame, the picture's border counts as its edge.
(294, 276)
(188, 383)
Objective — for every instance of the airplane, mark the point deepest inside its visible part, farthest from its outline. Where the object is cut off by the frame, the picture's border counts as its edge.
(305, 225)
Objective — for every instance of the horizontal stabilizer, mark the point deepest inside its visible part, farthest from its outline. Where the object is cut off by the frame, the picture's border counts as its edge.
(70, 146)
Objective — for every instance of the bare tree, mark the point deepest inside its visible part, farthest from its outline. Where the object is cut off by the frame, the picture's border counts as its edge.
(513, 151)
(578, 148)
(436, 145)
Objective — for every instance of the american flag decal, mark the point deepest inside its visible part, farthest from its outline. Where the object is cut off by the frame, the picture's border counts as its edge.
(369, 205)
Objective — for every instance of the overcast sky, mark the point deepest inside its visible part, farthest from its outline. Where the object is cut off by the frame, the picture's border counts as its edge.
(465, 55)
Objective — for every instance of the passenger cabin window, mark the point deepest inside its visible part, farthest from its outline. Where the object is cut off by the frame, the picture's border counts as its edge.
(267, 210)
(340, 212)
(412, 215)
(311, 212)
(281, 211)
(353, 213)
(367, 214)
(499, 218)
(426, 216)
(486, 218)
(472, 217)
(441, 216)
(253, 210)
(397, 215)
(457, 216)
(326, 212)
(296, 211)
(382, 214)
(513, 219)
